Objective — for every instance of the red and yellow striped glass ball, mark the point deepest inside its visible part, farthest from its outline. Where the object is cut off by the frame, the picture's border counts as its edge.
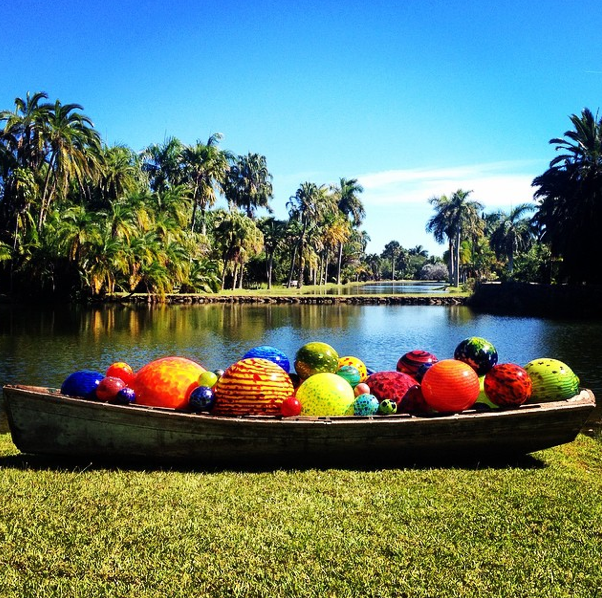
(252, 386)
(166, 382)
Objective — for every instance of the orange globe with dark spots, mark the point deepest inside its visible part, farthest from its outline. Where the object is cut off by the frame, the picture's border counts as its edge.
(167, 382)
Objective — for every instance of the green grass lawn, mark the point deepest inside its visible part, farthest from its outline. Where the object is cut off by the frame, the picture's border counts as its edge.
(533, 529)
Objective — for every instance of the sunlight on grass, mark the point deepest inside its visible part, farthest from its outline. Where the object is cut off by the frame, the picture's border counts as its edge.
(92, 531)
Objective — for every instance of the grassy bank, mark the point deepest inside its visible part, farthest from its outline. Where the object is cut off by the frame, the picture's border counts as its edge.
(329, 288)
(531, 529)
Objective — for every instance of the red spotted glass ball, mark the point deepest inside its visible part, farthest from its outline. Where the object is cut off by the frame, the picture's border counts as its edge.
(410, 363)
(390, 385)
(167, 382)
(450, 386)
(252, 386)
(508, 385)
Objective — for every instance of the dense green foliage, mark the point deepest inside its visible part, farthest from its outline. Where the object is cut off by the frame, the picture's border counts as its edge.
(529, 529)
(79, 218)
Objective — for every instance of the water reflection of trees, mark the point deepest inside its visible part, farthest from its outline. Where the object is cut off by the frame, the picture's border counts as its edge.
(43, 343)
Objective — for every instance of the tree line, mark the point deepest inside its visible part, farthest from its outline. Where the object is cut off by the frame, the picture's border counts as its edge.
(80, 218)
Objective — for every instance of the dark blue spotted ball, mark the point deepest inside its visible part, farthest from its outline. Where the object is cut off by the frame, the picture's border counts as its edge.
(201, 399)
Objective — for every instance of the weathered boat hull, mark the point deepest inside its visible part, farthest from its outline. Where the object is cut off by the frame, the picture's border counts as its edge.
(44, 422)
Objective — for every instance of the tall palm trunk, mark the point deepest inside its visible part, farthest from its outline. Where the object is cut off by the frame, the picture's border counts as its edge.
(457, 260)
(339, 262)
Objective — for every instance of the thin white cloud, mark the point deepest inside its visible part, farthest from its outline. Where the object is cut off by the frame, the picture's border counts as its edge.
(492, 184)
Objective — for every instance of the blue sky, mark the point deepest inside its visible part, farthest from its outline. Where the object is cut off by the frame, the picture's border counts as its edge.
(414, 98)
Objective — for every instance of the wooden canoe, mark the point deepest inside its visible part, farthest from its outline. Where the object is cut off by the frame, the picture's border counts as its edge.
(44, 422)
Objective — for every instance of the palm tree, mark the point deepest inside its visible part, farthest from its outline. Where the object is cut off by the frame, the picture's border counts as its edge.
(418, 251)
(374, 263)
(163, 164)
(456, 218)
(249, 184)
(512, 234)
(25, 130)
(350, 205)
(238, 238)
(569, 195)
(274, 232)
(206, 167)
(335, 233)
(74, 148)
(23, 153)
(308, 206)
(119, 173)
(392, 251)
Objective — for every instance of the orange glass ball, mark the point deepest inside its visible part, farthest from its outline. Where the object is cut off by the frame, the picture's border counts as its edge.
(252, 386)
(167, 382)
(450, 386)
(121, 370)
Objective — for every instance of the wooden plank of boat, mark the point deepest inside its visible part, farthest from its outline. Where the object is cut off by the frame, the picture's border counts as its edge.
(42, 421)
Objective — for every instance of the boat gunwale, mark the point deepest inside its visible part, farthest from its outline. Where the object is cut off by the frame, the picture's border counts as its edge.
(584, 399)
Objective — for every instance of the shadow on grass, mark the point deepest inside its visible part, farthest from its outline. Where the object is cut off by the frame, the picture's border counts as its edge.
(82, 464)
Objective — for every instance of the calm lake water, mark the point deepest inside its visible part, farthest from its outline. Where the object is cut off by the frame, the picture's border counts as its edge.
(41, 346)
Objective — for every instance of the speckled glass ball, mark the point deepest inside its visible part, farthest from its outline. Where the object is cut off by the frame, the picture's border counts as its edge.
(316, 358)
(552, 380)
(325, 394)
(478, 353)
(365, 404)
(507, 385)
(271, 354)
(387, 407)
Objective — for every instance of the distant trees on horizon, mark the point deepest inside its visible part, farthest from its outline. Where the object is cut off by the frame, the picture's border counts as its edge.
(80, 218)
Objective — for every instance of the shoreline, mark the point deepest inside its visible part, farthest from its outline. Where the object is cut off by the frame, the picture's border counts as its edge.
(177, 299)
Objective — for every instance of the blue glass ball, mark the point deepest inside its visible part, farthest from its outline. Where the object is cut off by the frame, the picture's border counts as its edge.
(201, 398)
(270, 353)
(126, 396)
(82, 384)
(365, 404)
